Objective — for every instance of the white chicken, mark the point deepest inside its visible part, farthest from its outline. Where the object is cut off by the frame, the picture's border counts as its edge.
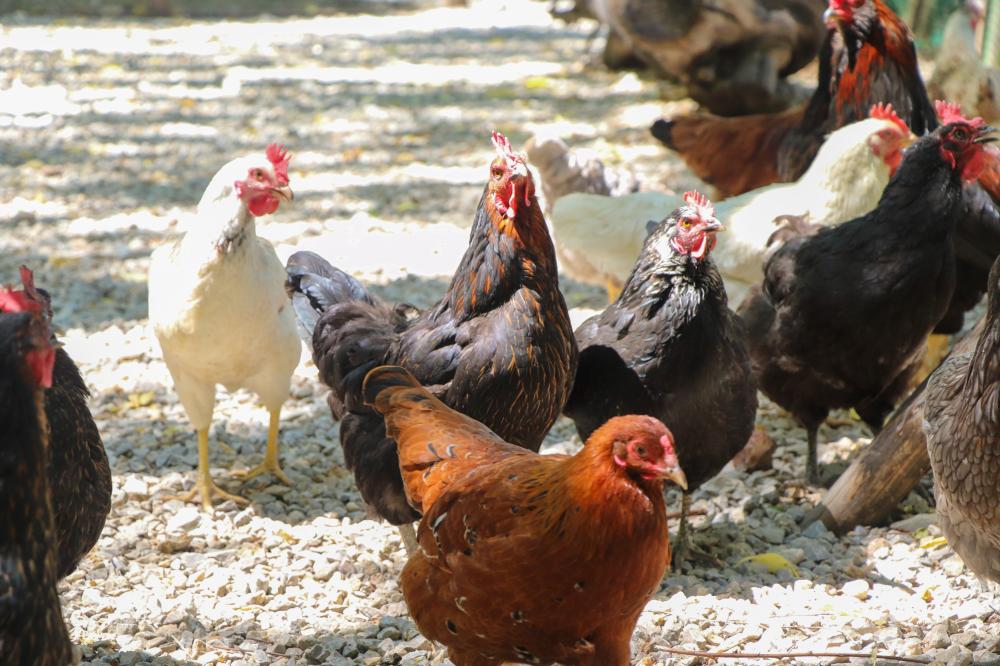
(598, 238)
(218, 306)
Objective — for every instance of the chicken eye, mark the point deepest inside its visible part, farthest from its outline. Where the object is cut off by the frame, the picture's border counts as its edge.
(959, 134)
(641, 450)
(685, 223)
(497, 173)
(258, 174)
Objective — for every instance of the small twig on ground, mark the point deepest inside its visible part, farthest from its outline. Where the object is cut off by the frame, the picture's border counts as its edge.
(786, 655)
(675, 515)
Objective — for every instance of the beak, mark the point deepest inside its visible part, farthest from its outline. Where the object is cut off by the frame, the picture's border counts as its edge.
(285, 192)
(829, 16)
(712, 224)
(671, 473)
(983, 133)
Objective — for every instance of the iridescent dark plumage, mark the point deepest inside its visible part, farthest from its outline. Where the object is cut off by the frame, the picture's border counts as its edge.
(32, 632)
(962, 422)
(497, 347)
(79, 473)
(843, 315)
(670, 347)
(866, 60)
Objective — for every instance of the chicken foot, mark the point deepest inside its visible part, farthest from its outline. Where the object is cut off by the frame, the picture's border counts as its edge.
(204, 485)
(270, 464)
(685, 550)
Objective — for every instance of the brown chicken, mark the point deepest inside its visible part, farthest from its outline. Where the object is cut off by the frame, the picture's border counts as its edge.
(32, 630)
(868, 57)
(962, 423)
(528, 558)
(498, 346)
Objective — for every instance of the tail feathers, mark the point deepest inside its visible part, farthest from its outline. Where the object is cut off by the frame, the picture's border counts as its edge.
(662, 130)
(315, 286)
(349, 340)
(384, 382)
(436, 443)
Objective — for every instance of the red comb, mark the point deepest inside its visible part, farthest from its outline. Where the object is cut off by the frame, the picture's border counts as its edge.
(950, 112)
(280, 158)
(12, 300)
(504, 149)
(884, 111)
(843, 4)
(700, 203)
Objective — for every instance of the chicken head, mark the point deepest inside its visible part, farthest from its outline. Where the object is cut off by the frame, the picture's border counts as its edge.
(266, 186)
(643, 447)
(511, 183)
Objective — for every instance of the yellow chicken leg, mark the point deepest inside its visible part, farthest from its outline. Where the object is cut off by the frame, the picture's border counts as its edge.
(614, 289)
(204, 485)
(271, 463)
(937, 348)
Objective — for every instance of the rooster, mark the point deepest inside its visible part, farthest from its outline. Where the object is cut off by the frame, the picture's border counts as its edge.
(845, 180)
(670, 347)
(528, 558)
(79, 474)
(32, 630)
(962, 424)
(498, 346)
(219, 310)
(843, 315)
(868, 57)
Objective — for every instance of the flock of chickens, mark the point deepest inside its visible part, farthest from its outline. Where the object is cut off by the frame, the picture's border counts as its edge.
(874, 240)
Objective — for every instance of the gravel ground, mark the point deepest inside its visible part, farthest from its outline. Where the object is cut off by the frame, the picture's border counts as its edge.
(109, 131)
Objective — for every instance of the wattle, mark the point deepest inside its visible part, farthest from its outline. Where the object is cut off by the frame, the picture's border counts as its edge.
(263, 204)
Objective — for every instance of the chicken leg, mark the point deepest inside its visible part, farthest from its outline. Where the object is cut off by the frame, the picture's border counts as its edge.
(409, 538)
(812, 463)
(614, 289)
(270, 463)
(204, 485)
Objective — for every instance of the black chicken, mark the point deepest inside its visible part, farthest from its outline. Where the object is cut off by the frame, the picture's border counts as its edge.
(498, 346)
(844, 314)
(670, 347)
(962, 423)
(31, 625)
(79, 474)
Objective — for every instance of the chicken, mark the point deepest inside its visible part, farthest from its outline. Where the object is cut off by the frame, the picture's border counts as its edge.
(959, 74)
(670, 347)
(732, 55)
(962, 424)
(219, 310)
(843, 315)
(523, 557)
(498, 346)
(845, 180)
(563, 170)
(868, 57)
(32, 630)
(598, 237)
(79, 474)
